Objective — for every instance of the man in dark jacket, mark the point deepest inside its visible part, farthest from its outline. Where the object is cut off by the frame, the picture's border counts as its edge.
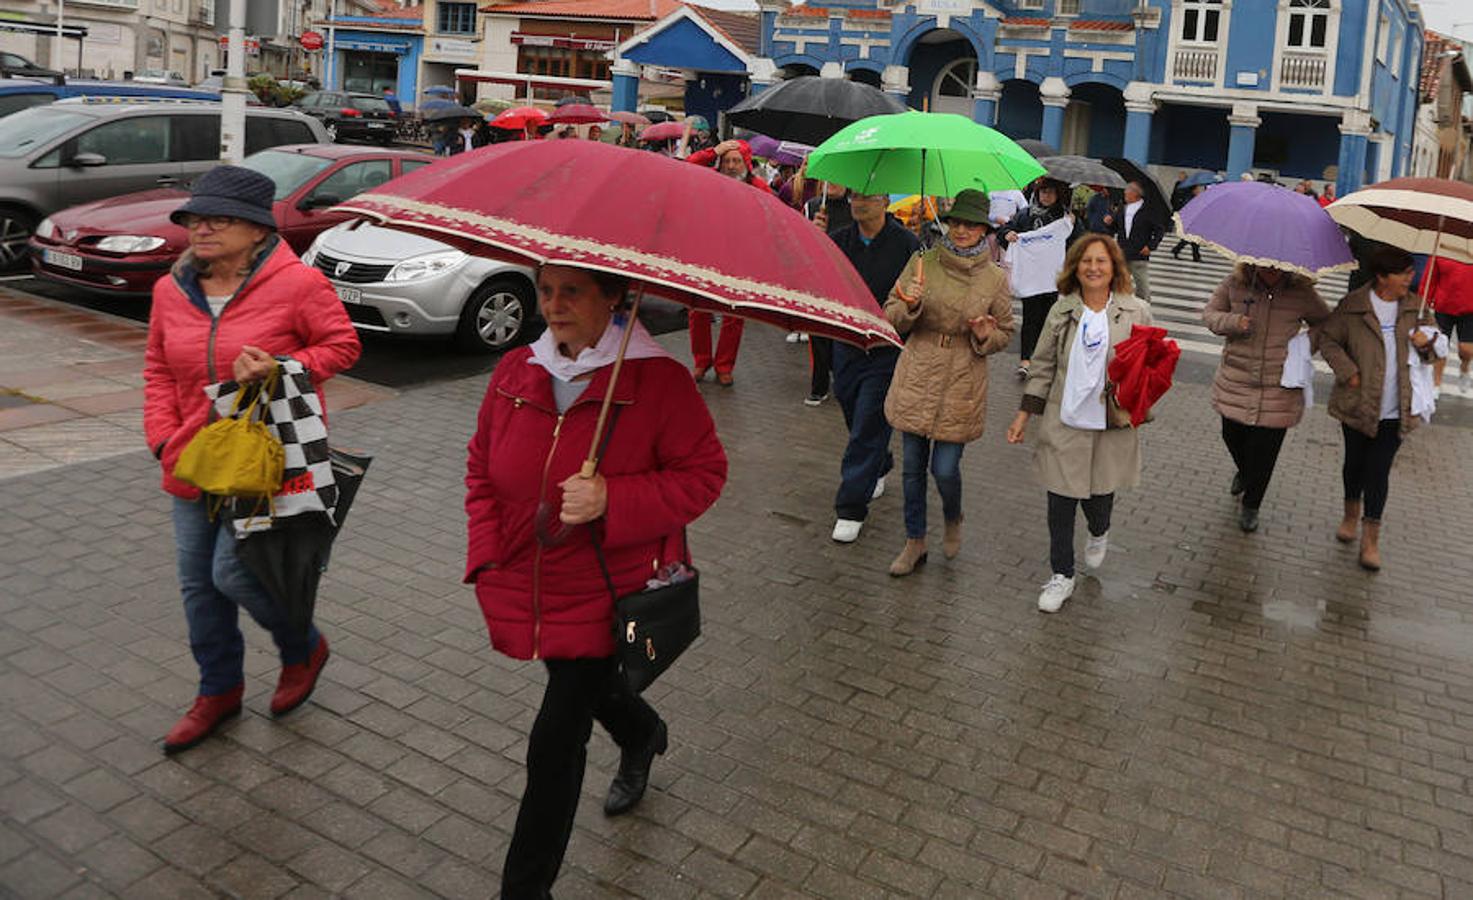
(1097, 210)
(1139, 235)
(879, 247)
(830, 212)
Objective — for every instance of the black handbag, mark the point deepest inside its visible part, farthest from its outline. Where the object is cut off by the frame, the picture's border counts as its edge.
(654, 626)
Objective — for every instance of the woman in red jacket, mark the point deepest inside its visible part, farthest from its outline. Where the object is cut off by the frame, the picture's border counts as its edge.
(533, 523)
(236, 300)
(1451, 286)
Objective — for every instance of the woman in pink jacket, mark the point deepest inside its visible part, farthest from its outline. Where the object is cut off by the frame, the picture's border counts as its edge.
(534, 521)
(236, 300)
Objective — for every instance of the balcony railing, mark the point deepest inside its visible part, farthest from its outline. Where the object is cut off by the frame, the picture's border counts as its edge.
(1303, 70)
(1195, 65)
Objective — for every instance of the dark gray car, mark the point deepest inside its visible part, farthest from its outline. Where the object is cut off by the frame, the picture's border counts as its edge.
(84, 149)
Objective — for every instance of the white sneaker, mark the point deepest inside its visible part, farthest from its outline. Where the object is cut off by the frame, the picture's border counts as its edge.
(794, 337)
(1058, 589)
(846, 531)
(1094, 551)
(879, 488)
(803, 337)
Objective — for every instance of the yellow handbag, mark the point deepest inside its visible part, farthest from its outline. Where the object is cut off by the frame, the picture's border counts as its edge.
(238, 456)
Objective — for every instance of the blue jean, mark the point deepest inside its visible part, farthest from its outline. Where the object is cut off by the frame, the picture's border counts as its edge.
(861, 381)
(945, 459)
(215, 583)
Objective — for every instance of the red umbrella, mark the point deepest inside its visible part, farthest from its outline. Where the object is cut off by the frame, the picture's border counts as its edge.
(628, 118)
(594, 206)
(518, 117)
(1142, 369)
(576, 114)
(663, 131)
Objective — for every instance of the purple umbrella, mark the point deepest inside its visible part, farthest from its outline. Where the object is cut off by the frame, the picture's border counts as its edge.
(780, 153)
(1266, 225)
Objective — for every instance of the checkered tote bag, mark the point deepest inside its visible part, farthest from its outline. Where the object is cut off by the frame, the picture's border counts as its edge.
(294, 417)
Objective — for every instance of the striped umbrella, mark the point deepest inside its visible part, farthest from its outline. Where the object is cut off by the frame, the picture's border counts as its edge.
(1420, 215)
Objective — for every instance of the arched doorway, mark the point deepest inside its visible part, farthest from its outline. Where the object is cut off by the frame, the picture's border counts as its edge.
(943, 69)
(865, 76)
(1020, 110)
(1094, 121)
(793, 70)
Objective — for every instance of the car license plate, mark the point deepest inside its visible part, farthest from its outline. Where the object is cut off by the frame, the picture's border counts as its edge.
(62, 260)
(378, 124)
(349, 294)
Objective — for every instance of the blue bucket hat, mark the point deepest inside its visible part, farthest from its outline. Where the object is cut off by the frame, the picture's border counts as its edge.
(231, 191)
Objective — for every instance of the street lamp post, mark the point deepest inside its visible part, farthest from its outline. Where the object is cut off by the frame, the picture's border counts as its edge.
(56, 41)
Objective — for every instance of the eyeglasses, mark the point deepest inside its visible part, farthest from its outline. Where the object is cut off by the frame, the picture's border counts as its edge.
(211, 223)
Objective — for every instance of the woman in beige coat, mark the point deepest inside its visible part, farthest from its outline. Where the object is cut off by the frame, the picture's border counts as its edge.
(956, 308)
(1258, 310)
(1368, 341)
(1086, 447)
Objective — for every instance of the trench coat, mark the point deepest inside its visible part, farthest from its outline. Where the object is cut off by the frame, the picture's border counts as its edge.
(1068, 461)
(939, 389)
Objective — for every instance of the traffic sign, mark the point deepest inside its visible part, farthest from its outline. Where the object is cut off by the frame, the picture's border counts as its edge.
(311, 40)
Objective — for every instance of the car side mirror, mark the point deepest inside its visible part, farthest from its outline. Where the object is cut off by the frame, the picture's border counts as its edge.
(319, 201)
(88, 160)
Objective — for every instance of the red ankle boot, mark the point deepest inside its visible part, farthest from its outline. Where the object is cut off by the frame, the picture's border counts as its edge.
(202, 719)
(298, 680)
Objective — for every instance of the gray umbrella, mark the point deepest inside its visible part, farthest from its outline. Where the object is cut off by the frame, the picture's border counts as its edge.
(1036, 148)
(1081, 170)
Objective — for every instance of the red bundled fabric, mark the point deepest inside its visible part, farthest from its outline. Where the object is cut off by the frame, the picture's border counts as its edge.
(1141, 370)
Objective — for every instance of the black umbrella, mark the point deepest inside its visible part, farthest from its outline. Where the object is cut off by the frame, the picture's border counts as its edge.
(1036, 148)
(1081, 170)
(440, 113)
(1156, 206)
(810, 109)
(291, 556)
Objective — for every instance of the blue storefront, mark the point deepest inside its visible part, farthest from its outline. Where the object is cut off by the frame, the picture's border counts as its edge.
(369, 60)
(1316, 89)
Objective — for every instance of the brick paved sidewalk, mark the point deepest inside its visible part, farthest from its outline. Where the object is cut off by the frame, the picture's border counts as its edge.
(1217, 715)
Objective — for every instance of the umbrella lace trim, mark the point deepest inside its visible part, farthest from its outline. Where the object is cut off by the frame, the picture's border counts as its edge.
(635, 263)
(1260, 261)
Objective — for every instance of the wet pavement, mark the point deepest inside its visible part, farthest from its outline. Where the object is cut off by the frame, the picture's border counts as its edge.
(1213, 715)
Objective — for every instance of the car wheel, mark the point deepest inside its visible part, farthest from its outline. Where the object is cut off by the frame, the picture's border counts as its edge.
(496, 316)
(332, 131)
(16, 227)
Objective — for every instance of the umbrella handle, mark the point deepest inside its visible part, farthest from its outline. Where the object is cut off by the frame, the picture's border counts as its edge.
(590, 465)
(1431, 262)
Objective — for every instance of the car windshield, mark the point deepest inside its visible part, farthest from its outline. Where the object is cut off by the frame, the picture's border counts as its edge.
(34, 127)
(289, 170)
(368, 104)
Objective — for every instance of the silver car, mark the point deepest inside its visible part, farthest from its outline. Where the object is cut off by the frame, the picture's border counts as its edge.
(82, 149)
(395, 282)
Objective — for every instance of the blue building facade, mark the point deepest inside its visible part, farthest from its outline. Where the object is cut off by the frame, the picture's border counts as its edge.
(370, 53)
(1304, 89)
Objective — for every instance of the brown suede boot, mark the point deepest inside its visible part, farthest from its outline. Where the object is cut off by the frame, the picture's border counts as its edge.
(1350, 525)
(1370, 545)
(951, 544)
(912, 555)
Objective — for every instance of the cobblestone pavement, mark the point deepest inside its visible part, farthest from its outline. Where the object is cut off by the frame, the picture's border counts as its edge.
(1215, 715)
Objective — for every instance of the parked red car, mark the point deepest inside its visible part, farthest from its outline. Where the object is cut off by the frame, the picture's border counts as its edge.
(123, 244)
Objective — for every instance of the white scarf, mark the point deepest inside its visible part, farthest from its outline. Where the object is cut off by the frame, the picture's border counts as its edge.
(545, 352)
(1083, 402)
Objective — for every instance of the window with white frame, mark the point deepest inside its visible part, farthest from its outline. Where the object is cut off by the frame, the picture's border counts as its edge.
(1068, 7)
(1200, 20)
(1393, 55)
(1309, 23)
(1383, 36)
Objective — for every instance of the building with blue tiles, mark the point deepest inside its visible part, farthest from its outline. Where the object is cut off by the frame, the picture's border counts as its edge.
(1301, 89)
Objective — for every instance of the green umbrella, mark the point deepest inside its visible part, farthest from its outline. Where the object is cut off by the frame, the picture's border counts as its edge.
(937, 154)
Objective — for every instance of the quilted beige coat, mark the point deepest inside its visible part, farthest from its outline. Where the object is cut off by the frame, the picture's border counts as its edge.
(1246, 388)
(939, 390)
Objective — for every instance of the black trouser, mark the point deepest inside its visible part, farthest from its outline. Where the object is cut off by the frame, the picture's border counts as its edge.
(1035, 311)
(1367, 469)
(578, 691)
(1255, 451)
(821, 357)
(1061, 526)
(1196, 251)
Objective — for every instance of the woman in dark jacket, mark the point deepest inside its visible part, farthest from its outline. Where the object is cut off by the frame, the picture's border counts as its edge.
(534, 521)
(1373, 396)
(1049, 204)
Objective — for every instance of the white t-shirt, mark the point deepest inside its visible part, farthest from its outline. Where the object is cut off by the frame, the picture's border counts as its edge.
(1130, 210)
(1003, 205)
(1386, 311)
(217, 304)
(1083, 403)
(1037, 257)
